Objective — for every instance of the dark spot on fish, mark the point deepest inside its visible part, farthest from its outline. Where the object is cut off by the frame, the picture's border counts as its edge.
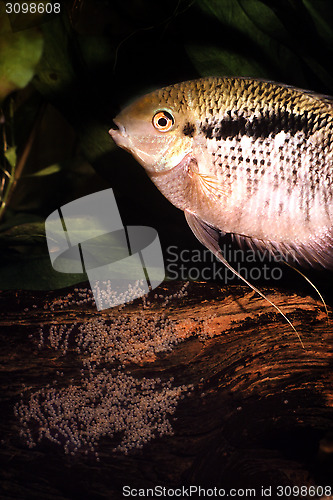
(280, 208)
(189, 129)
(207, 130)
(248, 160)
(262, 162)
(248, 170)
(256, 171)
(263, 171)
(255, 161)
(240, 159)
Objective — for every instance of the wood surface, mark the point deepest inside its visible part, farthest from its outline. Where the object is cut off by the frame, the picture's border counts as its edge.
(259, 414)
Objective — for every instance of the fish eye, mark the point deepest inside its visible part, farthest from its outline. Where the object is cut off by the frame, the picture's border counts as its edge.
(163, 121)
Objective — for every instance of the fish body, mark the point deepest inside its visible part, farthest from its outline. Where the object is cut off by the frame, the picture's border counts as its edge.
(248, 157)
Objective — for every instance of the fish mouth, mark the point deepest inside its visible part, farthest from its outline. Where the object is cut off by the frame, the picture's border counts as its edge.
(119, 135)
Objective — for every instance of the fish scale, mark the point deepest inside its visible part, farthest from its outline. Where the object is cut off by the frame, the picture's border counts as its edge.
(241, 156)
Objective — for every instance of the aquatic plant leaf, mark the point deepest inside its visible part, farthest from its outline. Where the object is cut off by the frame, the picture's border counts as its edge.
(96, 50)
(261, 33)
(29, 233)
(322, 72)
(26, 262)
(95, 141)
(62, 75)
(19, 55)
(210, 60)
(11, 156)
(55, 73)
(34, 273)
(321, 12)
(51, 169)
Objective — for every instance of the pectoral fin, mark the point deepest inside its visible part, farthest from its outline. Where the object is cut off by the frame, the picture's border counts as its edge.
(206, 234)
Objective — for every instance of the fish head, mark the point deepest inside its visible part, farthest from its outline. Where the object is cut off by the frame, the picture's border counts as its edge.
(151, 130)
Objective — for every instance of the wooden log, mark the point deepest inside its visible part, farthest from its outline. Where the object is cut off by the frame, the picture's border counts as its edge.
(258, 413)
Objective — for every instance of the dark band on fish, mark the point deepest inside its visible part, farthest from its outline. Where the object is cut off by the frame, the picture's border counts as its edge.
(260, 127)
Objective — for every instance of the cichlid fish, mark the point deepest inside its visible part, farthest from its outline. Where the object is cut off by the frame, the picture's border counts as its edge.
(248, 157)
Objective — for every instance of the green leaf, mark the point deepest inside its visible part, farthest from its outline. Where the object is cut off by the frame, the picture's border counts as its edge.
(34, 273)
(19, 55)
(30, 233)
(261, 32)
(322, 73)
(55, 72)
(11, 156)
(51, 169)
(25, 261)
(95, 141)
(321, 12)
(96, 50)
(214, 61)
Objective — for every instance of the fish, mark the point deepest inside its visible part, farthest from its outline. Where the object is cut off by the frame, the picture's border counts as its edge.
(241, 156)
